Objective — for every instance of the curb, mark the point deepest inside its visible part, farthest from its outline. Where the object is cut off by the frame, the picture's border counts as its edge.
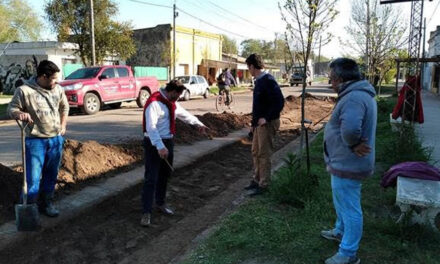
(90, 196)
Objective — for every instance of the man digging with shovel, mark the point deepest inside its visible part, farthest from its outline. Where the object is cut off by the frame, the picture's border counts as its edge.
(159, 126)
(42, 105)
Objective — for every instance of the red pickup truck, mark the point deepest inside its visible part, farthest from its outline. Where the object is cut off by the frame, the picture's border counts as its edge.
(90, 88)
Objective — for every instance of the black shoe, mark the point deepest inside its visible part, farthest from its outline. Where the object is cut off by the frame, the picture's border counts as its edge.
(257, 191)
(252, 185)
(46, 206)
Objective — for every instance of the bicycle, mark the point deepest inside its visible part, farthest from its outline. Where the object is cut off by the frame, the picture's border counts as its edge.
(220, 101)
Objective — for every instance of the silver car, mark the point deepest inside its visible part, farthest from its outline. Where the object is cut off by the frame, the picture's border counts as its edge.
(195, 85)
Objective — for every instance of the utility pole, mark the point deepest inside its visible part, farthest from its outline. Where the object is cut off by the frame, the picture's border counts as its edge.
(175, 14)
(367, 41)
(92, 33)
(319, 56)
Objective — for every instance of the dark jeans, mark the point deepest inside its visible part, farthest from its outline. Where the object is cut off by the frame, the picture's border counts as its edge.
(156, 174)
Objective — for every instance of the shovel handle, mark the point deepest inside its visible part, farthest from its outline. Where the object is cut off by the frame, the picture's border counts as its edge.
(23, 125)
(169, 165)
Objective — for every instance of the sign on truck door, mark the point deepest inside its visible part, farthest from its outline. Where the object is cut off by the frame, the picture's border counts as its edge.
(127, 86)
(109, 85)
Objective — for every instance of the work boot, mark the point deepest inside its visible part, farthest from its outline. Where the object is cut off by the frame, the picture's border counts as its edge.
(252, 185)
(257, 191)
(46, 205)
(146, 220)
(164, 209)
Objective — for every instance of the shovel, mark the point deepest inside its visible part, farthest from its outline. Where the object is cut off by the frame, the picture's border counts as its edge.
(27, 217)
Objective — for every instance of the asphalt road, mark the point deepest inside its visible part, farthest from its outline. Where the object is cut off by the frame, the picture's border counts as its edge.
(114, 126)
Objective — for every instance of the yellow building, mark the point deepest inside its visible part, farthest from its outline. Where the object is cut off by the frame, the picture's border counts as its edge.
(197, 52)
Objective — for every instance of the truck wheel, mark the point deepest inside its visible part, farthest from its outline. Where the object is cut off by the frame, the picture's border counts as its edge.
(186, 95)
(206, 94)
(143, 97)
(92, 104)
(115, 105)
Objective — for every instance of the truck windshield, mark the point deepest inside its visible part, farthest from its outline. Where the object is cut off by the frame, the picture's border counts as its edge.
(84, 73)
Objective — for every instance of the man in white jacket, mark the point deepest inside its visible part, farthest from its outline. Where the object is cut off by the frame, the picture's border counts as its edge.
(159, 125)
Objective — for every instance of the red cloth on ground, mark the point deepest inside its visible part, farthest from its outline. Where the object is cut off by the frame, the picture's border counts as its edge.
(157, 96)
(414, 82)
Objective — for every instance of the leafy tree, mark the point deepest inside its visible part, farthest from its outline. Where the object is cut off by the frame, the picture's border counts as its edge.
(229, 45)
(71, 21)
(376, 32)
(306, 20)
(249, 46)
(18, 22)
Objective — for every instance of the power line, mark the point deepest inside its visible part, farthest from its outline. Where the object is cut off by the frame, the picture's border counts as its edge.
(244, 19)
(433, 13)
(151, 4)
(193, 16)
(219, 13)
(222, 29)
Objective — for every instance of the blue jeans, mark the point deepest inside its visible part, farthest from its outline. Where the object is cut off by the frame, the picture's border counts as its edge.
(349, 221)
(156, 175)
(43, 158)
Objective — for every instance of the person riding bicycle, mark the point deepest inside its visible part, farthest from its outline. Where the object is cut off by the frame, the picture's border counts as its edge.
(224, 81)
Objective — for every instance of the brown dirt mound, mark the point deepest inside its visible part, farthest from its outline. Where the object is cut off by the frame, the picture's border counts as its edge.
(316, 109)
(89, 159)
(220, 125)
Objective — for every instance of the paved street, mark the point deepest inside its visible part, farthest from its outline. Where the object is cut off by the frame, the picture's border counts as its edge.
(114, 126)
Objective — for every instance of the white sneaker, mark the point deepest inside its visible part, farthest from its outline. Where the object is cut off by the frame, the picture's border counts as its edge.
(146, 220)
(339, 259)
(331, 235)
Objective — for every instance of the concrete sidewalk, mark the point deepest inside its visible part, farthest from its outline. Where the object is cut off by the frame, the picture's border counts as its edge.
(429, 131)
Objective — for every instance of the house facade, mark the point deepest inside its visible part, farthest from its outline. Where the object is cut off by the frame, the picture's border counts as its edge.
(18, 60)
(431, 70)
(197, 52)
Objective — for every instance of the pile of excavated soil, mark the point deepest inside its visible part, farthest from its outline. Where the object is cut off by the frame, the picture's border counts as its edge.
(220, 125)
(316, 110)
(84, 161)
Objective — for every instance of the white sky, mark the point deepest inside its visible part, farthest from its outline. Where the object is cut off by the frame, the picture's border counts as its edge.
(258, 19)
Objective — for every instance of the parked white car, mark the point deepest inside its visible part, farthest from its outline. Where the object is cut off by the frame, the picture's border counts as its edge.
(195, 85)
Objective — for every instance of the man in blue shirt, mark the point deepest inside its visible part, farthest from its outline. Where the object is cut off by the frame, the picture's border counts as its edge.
(349, 140)
(224, 82)
(268, 101)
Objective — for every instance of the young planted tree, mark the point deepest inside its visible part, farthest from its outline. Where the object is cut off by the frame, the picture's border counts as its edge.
(18, 22)
(307, 21)
(70, 19)
(376, 32)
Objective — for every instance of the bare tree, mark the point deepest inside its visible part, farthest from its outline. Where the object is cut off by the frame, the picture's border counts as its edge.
(376, 32)
(306, 21)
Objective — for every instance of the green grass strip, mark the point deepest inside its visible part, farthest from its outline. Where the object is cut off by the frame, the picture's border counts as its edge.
(273, 229)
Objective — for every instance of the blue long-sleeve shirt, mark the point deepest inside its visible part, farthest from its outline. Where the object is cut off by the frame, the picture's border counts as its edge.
(268, 100)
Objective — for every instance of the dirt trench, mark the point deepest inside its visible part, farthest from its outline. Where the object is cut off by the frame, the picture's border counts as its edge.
(110, 232)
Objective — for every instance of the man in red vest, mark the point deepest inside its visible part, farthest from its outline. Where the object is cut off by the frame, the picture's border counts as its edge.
(159, 126)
